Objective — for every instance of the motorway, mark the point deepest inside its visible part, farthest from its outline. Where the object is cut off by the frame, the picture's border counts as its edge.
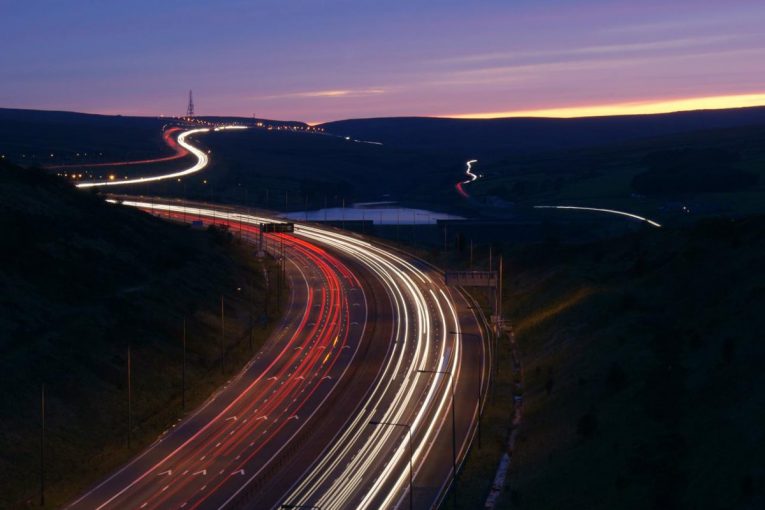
(349, 397)
(242, 429)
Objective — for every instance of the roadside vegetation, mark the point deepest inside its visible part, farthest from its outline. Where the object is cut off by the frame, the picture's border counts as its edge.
(675, 178)
(643, 361)
(80, 281)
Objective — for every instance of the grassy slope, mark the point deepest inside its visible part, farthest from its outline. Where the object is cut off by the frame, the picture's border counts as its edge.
(312, 168)
(602, 176)
(30, 137)
(79, 279)
(473, 138)
(643, 361)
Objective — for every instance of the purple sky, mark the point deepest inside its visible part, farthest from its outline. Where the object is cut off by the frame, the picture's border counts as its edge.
(319, 60)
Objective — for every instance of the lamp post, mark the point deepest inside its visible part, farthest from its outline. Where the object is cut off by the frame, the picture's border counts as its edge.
(222, 335)
(411, 453)
(42, 445)
(183, 370)
(454, 431)
(130, 394)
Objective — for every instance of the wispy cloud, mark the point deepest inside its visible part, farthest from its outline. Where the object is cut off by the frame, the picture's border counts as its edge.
(334, 93)
(508, 73)
(604, 49)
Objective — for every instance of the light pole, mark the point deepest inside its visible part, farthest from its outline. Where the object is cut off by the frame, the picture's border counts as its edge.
(42, 445)
(411, 453)
(130, 394)
(454, 431)
(183, 370)
(222, 335)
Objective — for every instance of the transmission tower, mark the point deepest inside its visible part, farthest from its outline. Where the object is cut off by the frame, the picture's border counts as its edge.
(190, 109)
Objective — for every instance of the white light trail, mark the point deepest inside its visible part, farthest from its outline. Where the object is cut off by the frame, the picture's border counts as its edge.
(610, 211)
(469, 171)
(202, 162)
(367, 466)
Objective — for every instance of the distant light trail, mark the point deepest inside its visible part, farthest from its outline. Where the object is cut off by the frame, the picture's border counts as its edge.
(202, 162)
(609, 211)
(472, 177)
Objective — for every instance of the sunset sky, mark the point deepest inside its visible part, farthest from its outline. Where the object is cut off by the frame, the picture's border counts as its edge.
(316, 60)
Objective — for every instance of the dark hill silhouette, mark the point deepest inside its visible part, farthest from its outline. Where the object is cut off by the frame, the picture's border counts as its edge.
(29, 137)
(489, 137)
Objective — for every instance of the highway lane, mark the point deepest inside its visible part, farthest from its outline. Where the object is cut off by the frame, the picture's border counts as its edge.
(365, 465)
(242, 429)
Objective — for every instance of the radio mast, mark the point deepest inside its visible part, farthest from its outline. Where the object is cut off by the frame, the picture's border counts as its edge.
(190, 108)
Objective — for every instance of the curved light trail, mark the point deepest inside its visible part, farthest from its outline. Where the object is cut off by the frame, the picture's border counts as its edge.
(202, 162)
(246, 426)
(225, 449)
(471, 177)
(365, 466)
(596, 209)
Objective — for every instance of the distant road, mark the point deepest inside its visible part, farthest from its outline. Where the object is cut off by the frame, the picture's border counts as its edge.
(600, 210)
(460, 186)
(201, 163)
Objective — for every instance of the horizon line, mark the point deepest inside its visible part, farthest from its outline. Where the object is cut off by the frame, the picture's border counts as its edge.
(626, 108)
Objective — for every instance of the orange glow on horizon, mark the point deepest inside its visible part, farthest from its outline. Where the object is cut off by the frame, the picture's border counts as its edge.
(628, 108)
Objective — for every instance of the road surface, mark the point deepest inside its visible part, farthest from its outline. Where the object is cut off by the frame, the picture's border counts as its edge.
(412, 327)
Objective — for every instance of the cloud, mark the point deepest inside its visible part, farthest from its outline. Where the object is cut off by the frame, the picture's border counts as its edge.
(604, 49)
(532, 72)
(642, 107)
(336, 93)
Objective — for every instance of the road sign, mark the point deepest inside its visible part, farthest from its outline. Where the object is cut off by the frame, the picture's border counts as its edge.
(277, 227)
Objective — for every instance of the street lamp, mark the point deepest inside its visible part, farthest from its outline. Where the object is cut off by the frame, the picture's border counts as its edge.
(411, 441)
(454, 431)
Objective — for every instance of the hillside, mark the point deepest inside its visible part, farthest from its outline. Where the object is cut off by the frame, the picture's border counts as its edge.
(81, 279)
(642, 358)
(470, 138)
(671, 178)
(47, 138)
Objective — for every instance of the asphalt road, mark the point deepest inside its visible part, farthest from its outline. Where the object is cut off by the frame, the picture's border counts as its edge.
(242, 428)
(416, 327)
